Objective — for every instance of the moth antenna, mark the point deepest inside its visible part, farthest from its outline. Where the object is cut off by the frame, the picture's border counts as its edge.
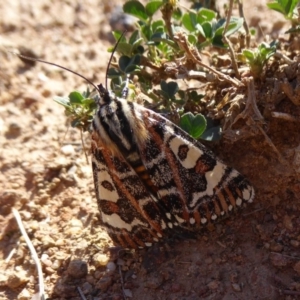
(55, 65)
(112, 54)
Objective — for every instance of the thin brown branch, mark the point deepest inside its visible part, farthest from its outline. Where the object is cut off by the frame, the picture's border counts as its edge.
(246, 27)
(194, 55)
(226, 40)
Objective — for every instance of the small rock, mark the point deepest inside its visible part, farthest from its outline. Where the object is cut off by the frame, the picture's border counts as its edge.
(24, 295)
(87, 288)
(287, 222)
(154, 283)
(104, 283)
(128, 293)
(17, 279)
(111, 266)
(276, 247)
(208, 260)
(297, 267)
(48, 241)
(13, 131)
(213, 285)
(77, 269)
(294, 243)
(100, 260)
(49, 271)
(175, 288)
(278, 260)
(236, 287)
(67, 150)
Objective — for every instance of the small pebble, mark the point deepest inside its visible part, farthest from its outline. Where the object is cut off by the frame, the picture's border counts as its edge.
(100, 259)
(236, 287)
(294, 243)
(77, 268)
(128, 293)
(278, 260)
(297, 267)
(56, 264)
(276, 247)
(213, 285)
(67, 150)
(287, 222)
(24, 295)
(104, 283)
(87, 288)
(17, 278)
(111, 266)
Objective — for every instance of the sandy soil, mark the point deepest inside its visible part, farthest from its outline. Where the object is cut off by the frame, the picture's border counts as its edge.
(45, 176)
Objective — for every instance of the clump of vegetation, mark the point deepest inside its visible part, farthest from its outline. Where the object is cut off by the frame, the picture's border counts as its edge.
(173, 46)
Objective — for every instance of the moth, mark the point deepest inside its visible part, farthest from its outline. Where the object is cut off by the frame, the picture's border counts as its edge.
(152, 179)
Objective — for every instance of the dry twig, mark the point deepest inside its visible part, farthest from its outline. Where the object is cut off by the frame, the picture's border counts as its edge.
(33, 254)
(226, 40)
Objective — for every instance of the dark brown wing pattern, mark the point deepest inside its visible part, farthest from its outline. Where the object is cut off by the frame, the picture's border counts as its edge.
(153, 179)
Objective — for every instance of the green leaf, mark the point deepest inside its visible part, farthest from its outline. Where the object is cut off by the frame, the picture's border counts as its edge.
(189, 21)
(113, 73)
(192, 39)
(124, 61)
(207, 28)
(177, 14)
(129, 64)
(234, 25)
(170, 88)
(75, 97)
(205, 15)
(135, 36)
(277, 7)
(64, 101)
(158, 26)
(132, 68)
(147, 31)
(194, 125)
(135, 8)
(249, 54)
(152, 7)
(212, 134)
(124, 48)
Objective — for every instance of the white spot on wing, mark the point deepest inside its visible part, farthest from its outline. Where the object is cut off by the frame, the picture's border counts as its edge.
(180, 220)
(238, 201)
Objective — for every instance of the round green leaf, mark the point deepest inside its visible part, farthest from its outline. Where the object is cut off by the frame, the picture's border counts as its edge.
(75, 97)
(170, 88)
(189, 21)
(135, 8)
(152, 7)
(194, 125)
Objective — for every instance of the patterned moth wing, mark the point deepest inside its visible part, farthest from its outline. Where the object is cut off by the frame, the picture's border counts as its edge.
(152, 179)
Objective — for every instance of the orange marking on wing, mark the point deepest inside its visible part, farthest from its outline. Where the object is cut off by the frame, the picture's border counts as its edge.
(230, 196)
(223, 201)
(217, 207)
(201, 167)
(197, 217)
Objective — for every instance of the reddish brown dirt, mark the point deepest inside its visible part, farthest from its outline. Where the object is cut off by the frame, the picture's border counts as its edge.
(45, 176)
